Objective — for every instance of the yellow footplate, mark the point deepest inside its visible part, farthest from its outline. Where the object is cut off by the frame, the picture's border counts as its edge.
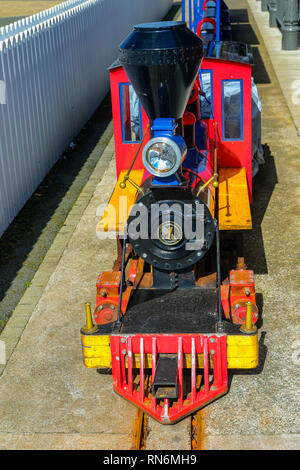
(234, 205)
(117, 211)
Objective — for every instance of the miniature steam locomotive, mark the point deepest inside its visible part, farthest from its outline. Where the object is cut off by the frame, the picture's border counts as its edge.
(178, 308)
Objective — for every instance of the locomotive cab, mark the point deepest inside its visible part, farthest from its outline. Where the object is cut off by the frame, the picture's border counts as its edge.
(168, 321)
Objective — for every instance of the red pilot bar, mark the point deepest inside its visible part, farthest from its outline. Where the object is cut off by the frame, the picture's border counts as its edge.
(199, 356)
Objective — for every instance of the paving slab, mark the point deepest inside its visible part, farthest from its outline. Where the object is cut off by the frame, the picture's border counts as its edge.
(57, 441)
(175, 437)
(286, 63)
(254, 442)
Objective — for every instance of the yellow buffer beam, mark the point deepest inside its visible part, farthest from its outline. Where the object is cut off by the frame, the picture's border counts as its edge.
(117, 211)
(242, 352)
(234, 206)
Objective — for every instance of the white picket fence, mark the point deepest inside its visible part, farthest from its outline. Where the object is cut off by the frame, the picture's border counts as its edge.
(53, 75)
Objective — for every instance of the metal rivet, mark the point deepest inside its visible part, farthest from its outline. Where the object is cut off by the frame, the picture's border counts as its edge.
(212, 351)
(124, 351)
(123, 340)
(212, 340)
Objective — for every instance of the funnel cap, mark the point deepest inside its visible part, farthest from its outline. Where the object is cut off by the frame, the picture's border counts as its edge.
(159, 26)
(161, 60)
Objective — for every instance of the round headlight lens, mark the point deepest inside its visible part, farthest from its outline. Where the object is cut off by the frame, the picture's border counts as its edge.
(161, 157)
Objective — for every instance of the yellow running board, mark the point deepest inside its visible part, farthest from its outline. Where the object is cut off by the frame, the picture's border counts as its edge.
(234, 206)
(117, 211)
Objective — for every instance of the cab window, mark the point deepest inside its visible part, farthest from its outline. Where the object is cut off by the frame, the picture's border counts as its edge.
(206, 98)
(232, 109)
(130, 114)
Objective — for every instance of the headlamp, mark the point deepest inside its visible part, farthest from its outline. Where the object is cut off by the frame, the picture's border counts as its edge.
(162, 156)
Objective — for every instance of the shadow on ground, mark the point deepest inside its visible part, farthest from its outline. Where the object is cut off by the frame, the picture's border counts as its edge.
(242, 31)
(263, 186)
(28, 238)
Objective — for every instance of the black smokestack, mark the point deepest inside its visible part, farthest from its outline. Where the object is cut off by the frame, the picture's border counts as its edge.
(162, 61)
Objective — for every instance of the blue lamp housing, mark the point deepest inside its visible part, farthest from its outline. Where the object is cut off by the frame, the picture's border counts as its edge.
(165, 127)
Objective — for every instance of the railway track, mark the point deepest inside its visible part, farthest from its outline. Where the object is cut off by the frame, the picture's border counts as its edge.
(141, 429)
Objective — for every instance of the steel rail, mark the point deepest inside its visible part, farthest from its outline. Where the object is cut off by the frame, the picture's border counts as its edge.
(140, 428)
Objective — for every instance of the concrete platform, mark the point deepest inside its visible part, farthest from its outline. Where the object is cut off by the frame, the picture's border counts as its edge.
(286, 63)
(48, 400)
